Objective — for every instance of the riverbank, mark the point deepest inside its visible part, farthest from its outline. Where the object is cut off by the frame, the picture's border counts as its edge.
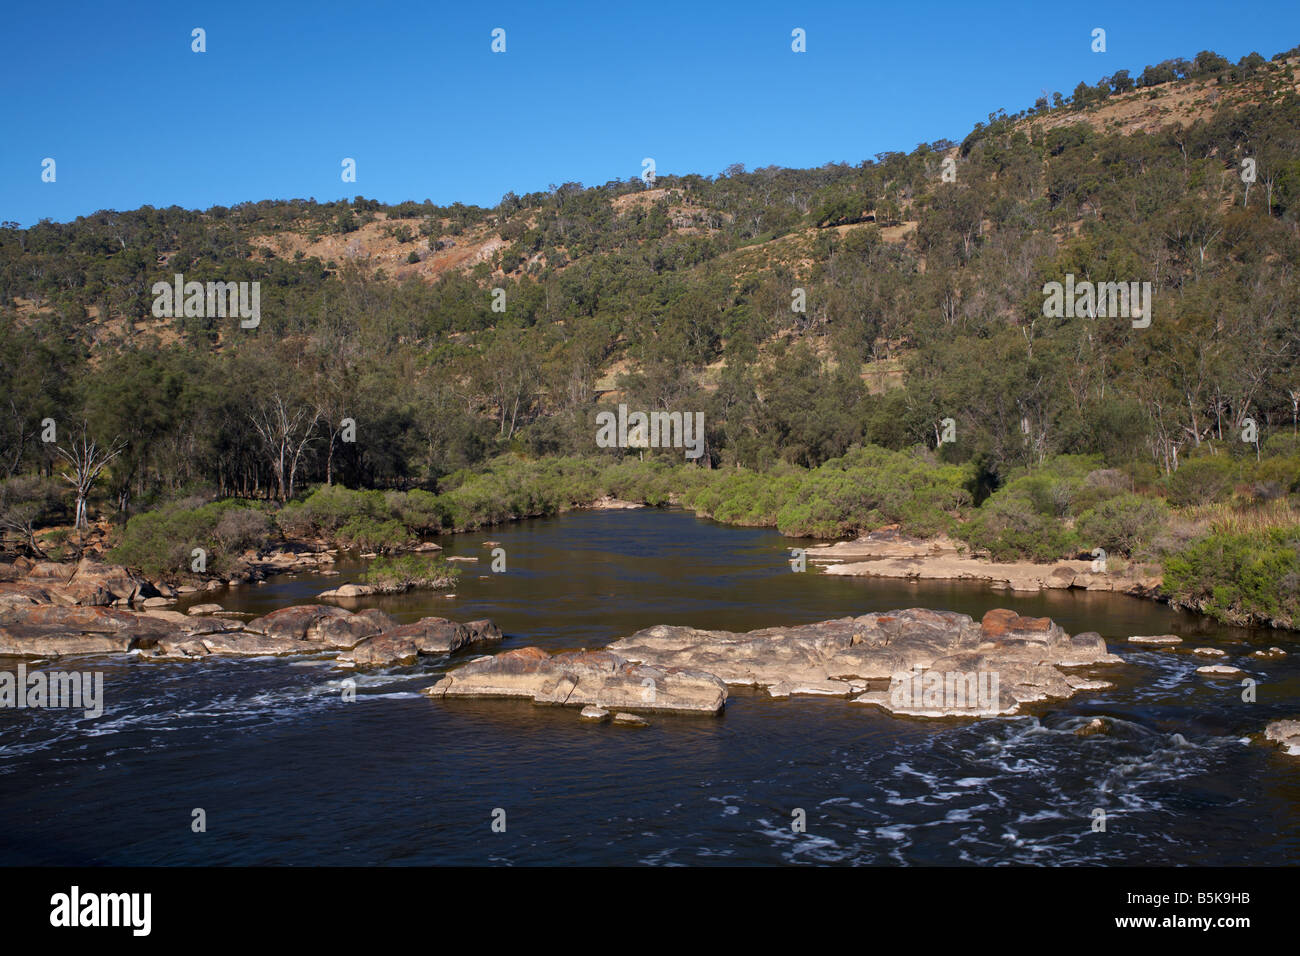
(888, 553)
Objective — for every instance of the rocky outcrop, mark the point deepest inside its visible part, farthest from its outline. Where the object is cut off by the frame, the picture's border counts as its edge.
(887, 553)
(88, 583)
(921, 662)
(1286, 734)
(28, 630)
(58, 631)
(579, 678)
(430, 635)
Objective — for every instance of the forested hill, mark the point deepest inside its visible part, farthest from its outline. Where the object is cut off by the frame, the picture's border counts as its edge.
(921, 276)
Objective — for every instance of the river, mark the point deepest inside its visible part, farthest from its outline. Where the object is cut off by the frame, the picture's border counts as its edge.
(288, 772)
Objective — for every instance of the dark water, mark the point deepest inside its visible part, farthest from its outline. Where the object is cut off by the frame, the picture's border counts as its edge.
(291, 774)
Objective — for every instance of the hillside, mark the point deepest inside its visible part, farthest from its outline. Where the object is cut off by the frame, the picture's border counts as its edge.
(922, 301)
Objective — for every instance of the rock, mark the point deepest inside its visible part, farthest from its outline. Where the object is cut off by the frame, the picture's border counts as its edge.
(1285, 733)
(460, 557)
(22, 594)
(89, 583)
(201, 609)
(1271, 652)
(1158, 640)
(610, 503)
(1001, 622)
(601, 678)
(244, 644)
(430, 635)
(158, 602)
(350, 591)
(426, 546)
(1097, 725)
(483, 630)
(318, 623)
(630, 720)
(380, 619)
(936, 663)
(1220, 669)
(491, 544)
(594, 713)
(1209, 652)
(56, 631)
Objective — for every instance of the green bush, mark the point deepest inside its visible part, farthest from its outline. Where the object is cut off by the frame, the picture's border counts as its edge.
(1122, 524)
(161, 542)
(373, 534)
(1200, 481)
(1010, 528)
(1239, 578)
(411, 570)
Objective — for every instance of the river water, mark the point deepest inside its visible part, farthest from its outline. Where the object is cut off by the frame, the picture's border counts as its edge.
(287, 772)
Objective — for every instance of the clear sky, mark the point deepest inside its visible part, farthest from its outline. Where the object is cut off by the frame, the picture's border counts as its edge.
(412, 91)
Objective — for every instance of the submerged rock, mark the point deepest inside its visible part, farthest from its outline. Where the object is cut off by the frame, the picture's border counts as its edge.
(1098, 725)
(598, 678)
(630, 720)
(933, 663)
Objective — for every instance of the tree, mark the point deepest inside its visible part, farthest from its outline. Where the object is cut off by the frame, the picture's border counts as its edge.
(87, 460)
(26, 502)
(284, 435)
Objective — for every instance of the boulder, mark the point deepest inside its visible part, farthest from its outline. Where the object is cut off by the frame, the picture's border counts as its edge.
(201, 609)
(630, 720)
(1286, 734)
(23, 594)
(316, 623)
(597, 714)
(57, 630)
(1097, 725)
(350, 591)
(431, 635)
(600, 678)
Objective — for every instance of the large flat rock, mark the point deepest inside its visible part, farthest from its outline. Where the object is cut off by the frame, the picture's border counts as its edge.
(581, 678)
(1007, 660)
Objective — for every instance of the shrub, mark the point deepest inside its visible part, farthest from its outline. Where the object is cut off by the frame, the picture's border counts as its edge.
(1200, 481)
(1122, 524)
(1239, 578)
(373, 534)
(162, 542)
(1009, 528)
(240, 529)
(411, 570)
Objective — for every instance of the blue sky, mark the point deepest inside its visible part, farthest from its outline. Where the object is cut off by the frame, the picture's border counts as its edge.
(583, 92)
